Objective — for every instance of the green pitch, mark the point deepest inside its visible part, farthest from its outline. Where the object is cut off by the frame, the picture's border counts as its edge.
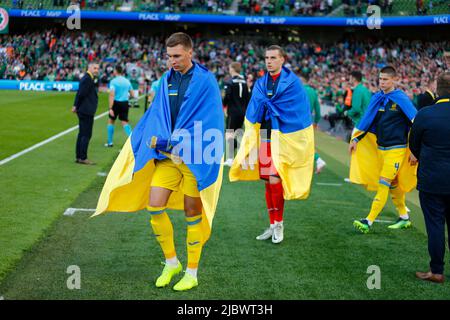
(321, 257)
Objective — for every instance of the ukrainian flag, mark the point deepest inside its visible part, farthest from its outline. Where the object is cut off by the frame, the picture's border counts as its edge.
(198, 136)
(292, 136)
(365, 164)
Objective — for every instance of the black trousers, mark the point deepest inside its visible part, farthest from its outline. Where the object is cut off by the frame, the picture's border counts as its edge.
(436, 210)
(332, 118)
(85, 123)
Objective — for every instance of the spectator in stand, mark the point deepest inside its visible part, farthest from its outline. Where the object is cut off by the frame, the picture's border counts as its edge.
(360, 97)
(62, 55)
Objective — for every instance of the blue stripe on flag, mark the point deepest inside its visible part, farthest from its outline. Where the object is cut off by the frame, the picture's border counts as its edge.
(191, 223)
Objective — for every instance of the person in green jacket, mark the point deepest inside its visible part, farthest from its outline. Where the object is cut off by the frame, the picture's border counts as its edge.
(313, 100)
(315, 114)
(360, 97)
(2, 70)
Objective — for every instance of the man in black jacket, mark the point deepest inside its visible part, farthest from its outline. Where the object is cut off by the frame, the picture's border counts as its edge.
(427, 97)
(85, 106)
(430, 145)
(236, 99)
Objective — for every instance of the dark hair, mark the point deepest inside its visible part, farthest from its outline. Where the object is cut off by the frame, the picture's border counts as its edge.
(119, 69)
(357, 75)
(236, 66)
(443, 84)
(390, 70)
(280, 50)
(305, 76)
(180, 38)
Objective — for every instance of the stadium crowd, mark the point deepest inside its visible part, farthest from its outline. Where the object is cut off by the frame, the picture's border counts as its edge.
(64, 56)
(248, 7)
(129, 5)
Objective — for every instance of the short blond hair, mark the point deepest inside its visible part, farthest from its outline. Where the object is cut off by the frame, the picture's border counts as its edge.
(236, 66)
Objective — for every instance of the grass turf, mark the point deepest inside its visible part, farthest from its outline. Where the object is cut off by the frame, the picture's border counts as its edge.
(30, 117)
(37, 187)
(322, 257)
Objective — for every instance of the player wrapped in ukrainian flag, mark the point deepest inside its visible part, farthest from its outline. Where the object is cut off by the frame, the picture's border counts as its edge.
(181, 156)
(280, 99)
(380, 154)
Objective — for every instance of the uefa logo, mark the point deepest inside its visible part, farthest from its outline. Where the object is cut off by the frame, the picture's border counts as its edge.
(4, 19)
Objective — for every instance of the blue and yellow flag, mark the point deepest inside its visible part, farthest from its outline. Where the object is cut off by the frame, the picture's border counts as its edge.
(292, 136)
(365, 164)
(197, 138)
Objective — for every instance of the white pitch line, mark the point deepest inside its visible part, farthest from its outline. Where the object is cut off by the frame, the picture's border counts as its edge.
(384, 221)
(71, 211)
(329, 184)
(40, 144)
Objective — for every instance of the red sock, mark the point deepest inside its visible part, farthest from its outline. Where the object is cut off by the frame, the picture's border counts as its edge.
(277, 200)
(269, 204)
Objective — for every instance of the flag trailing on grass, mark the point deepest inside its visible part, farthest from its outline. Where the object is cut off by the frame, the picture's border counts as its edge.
(365, 164)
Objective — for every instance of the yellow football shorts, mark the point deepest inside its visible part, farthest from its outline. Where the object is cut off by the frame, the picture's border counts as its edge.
(391, 159)
(172, 176)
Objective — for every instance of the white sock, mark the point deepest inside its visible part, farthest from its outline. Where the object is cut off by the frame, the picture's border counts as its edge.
(272, 225)
(404, 216)
(192, 272)
(173, 262)
(370, 222)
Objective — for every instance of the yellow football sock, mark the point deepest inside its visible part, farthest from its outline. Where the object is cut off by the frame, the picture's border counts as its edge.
(379, 201)
(163, 229)
(194, 240)
(398, 198)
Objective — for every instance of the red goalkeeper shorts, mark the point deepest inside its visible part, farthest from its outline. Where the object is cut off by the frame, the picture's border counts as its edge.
(266, 166)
